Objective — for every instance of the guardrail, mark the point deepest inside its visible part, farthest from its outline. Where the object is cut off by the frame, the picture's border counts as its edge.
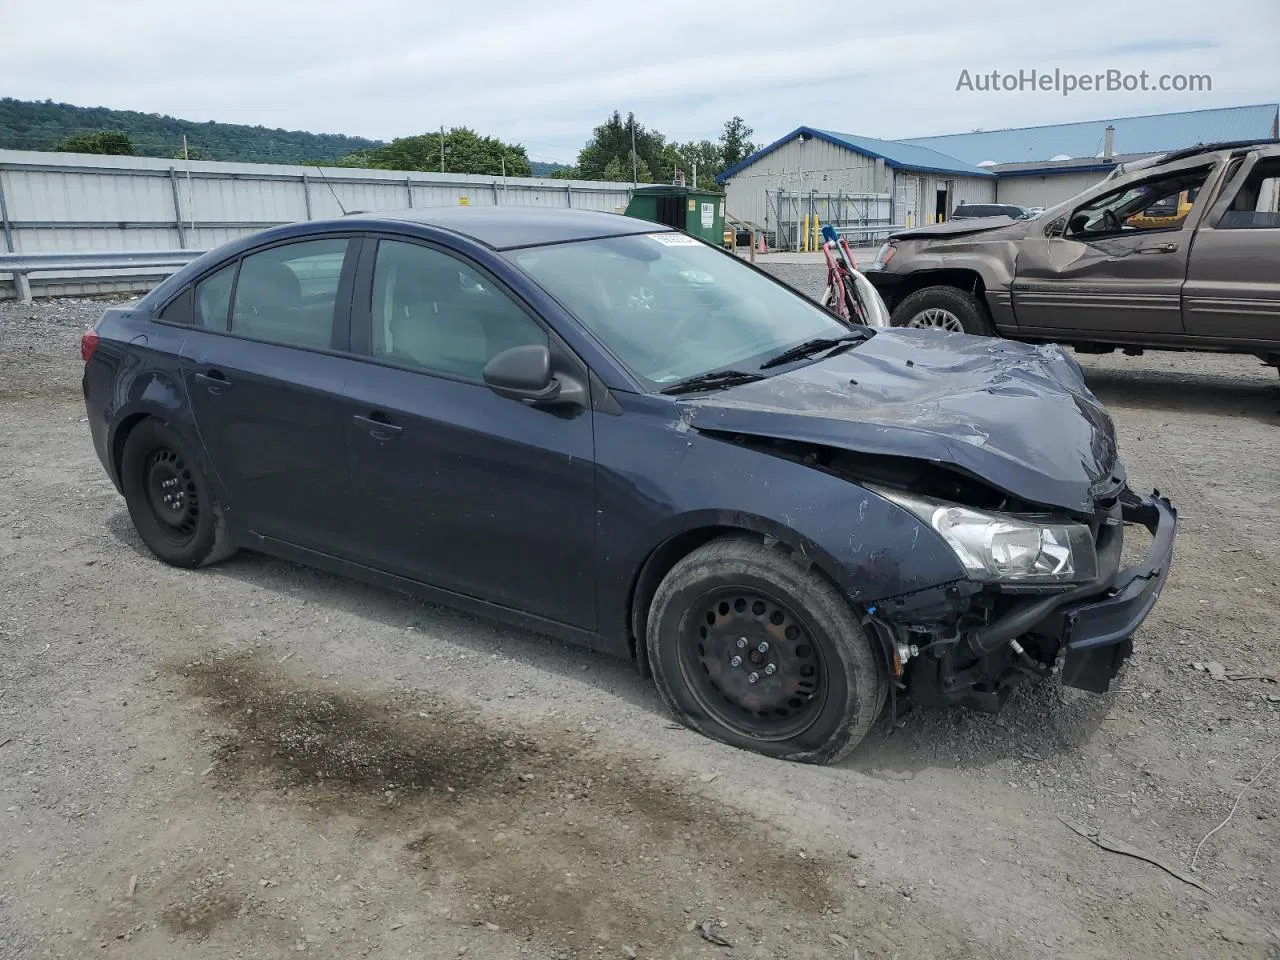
(22, 265)
(869, 233)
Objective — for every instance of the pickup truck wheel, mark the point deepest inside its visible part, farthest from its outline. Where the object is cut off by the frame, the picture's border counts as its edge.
(944, 308)
(749, 647)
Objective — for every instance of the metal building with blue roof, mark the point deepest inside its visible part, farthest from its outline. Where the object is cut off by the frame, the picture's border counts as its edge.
(850, 181)
(1146, 135)
(855, 181)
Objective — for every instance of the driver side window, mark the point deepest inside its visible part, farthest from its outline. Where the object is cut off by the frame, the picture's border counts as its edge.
(435, 313)
(1159, 204)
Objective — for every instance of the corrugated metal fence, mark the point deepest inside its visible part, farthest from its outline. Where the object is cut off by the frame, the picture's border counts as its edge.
(73, 202)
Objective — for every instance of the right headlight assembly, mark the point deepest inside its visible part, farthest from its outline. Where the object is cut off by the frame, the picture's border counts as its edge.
(1007, 548)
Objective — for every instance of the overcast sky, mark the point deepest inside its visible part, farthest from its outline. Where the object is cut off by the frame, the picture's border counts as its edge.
(544, 73)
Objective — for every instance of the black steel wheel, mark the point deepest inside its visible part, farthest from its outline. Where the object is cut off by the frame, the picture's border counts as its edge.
(749, 647)
(750, 662)
(170, 501)
(172, 494)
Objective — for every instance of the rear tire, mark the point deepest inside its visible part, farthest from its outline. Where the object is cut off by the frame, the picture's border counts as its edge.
(819, 684)
(170, 500)
(946, 309)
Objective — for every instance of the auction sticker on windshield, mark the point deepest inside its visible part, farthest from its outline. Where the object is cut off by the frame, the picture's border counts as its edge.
(674, 239)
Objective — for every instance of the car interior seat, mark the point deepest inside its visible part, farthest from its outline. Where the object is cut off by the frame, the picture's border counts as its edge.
(267, 306)
(430, 325)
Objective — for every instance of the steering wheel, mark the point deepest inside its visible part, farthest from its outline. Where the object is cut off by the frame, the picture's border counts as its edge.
(641, 298)
(1110, 221)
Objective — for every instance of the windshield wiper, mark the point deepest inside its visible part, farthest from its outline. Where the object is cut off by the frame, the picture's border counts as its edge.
(715, 380)
(810, 347)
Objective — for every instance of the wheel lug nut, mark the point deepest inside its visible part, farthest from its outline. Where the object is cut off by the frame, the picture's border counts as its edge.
(769, 668)
(735, 662)
(742, 643)
(762, 646)
(753, 677)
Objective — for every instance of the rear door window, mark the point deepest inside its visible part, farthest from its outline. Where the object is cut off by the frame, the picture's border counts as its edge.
(288, 294)
(1256, 205)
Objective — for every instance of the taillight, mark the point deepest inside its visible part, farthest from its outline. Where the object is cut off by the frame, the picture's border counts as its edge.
(88, 344)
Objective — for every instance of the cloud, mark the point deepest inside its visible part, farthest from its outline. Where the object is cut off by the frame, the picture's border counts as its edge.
(544, 74)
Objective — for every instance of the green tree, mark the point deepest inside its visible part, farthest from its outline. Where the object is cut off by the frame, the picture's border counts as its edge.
(104, 141)
(465, 151)
(735, 143)
(611, 141)
(620, 171)
(704, 153)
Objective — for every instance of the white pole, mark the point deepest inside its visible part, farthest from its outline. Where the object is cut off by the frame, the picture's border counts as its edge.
(191, 200)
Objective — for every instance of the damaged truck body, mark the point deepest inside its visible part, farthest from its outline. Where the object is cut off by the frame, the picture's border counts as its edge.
(620, 435)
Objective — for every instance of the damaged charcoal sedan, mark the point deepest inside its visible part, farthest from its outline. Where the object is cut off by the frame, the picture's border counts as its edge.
(608, 431)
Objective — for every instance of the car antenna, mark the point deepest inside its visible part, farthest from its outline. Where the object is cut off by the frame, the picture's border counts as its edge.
(331, 190)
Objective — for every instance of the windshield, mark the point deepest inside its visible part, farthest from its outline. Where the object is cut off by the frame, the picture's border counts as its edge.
(670, 307)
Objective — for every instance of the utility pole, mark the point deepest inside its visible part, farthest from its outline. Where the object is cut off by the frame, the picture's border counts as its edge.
(442, 148)
(191, 200)
(635, 177)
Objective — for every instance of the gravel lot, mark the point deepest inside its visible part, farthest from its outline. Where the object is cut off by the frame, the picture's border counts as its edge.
(258, 760)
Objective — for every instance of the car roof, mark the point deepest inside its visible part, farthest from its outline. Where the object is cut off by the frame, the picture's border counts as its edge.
(507, 228)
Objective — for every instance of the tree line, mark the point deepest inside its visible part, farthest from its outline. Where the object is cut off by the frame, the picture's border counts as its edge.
(46, 125)
(607, 154)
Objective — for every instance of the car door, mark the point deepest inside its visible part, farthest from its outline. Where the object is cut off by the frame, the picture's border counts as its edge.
(263, 367)
(456, 486)
(1233, 286)
(1093, 271)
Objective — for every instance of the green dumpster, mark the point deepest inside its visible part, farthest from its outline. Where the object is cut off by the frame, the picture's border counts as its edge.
(696, 212)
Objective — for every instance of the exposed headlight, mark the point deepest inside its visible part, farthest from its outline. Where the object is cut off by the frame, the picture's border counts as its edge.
(1005, 547)
(884, 255)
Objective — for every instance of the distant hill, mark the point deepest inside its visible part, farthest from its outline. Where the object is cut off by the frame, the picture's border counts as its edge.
(542, 169)
(39, 125)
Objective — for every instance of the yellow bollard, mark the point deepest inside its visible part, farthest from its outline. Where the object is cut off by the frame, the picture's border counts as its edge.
(817, 232)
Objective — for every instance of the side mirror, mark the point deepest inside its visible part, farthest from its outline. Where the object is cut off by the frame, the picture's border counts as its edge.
(523, 373)
(1057, 228)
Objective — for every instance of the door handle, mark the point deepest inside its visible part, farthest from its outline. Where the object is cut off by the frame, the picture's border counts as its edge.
(378, 426)
(215, 380)
(1159, 248)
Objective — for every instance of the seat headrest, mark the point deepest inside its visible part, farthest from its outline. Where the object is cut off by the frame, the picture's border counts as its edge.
(267, 284)
(423, 280)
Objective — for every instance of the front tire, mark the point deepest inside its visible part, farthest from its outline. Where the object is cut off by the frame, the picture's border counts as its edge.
(945, 309)
(170, 500)
(736, 609)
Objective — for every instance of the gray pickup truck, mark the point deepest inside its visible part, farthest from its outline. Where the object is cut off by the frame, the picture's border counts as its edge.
(1178, 252)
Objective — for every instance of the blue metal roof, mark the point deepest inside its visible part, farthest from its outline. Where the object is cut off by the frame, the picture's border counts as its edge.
(896, 154)
(1148, 134)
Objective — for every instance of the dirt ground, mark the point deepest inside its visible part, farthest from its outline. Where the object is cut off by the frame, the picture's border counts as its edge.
(258, 760)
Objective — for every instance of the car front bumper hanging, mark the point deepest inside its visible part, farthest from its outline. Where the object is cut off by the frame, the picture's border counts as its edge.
(1094, 633)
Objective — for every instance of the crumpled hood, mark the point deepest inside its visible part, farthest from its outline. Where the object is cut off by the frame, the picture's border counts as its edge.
(1019, 416)
(963, 228)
